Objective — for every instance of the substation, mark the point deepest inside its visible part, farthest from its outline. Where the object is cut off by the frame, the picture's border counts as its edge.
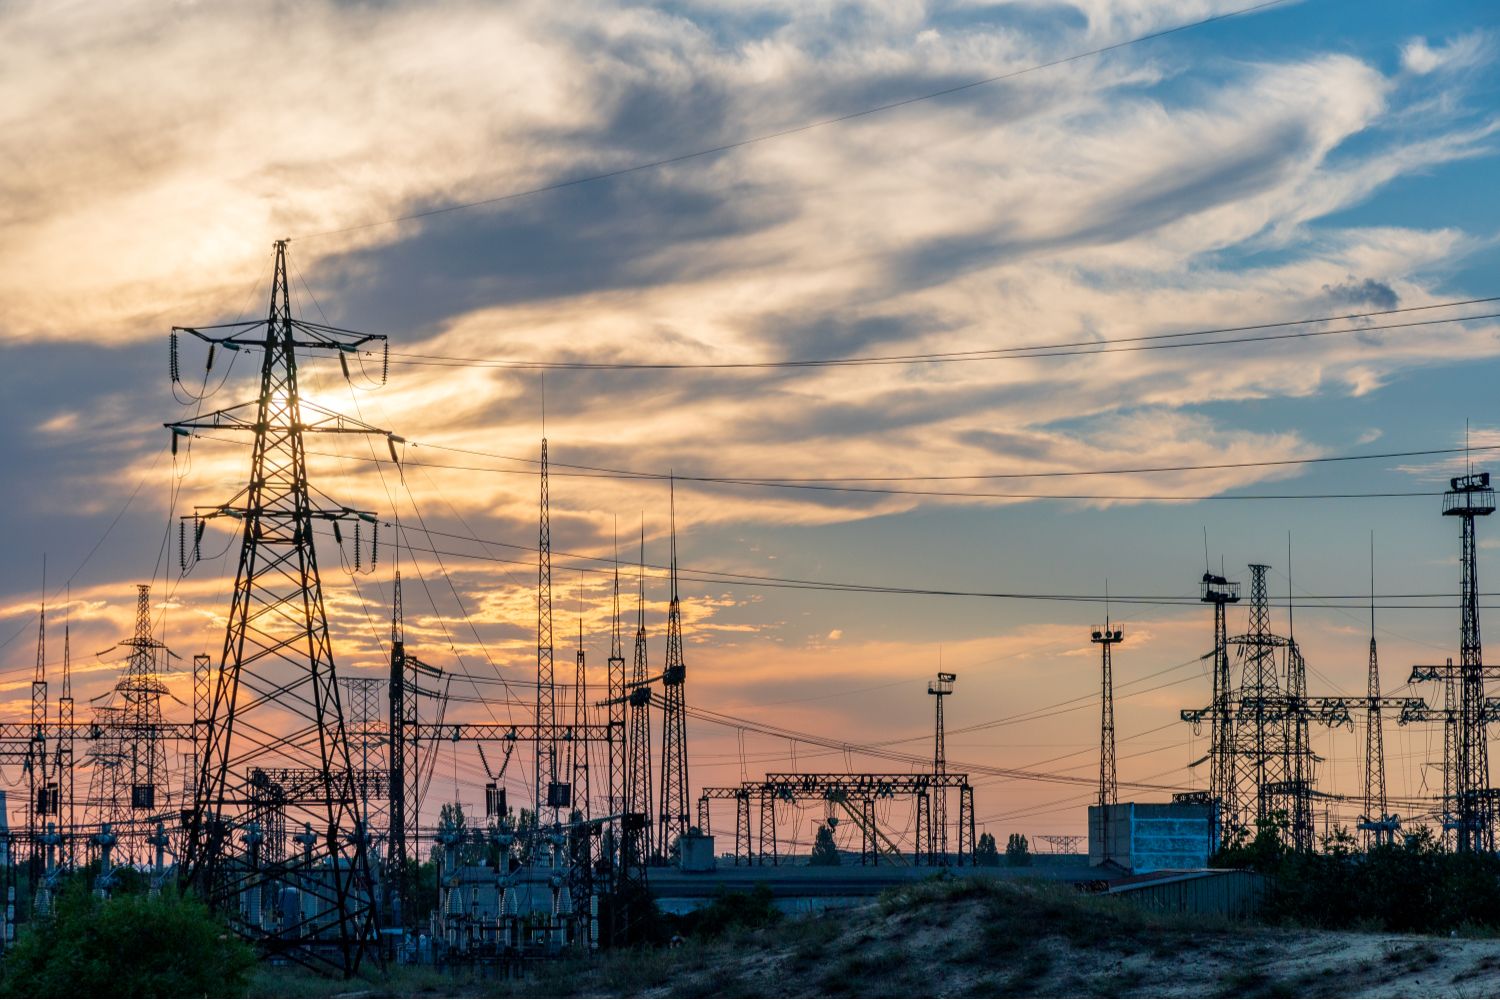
(305, 799)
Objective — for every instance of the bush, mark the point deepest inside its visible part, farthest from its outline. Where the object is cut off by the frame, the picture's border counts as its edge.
(128, 946)
(1415, 887)
(751, 910)
(986, 854)
(824, 851)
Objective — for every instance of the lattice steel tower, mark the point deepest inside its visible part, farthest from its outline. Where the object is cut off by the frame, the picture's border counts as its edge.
(275, 752)
(141, 689)
(1109, 784)
(40, 789)
(578, 748)
(1260, 729)
(66, 811)
(939, 687)
(673, 817)
(616, 680)
(1471, 497)
(637, 826)
(549, 795)
(1377, 825)
(1219, 592)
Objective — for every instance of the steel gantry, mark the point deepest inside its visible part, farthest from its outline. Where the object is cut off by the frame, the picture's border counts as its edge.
(855, 794)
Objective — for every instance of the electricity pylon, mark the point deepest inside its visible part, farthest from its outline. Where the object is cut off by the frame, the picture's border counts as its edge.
(937, 829)
(1109, 783)
(550, 795)
(275, 751)
(673, 817)
(637, 838)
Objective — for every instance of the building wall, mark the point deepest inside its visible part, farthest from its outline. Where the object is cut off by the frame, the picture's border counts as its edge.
(1148, 837)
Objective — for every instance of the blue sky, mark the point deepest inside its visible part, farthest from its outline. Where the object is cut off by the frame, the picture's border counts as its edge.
(1307, 160)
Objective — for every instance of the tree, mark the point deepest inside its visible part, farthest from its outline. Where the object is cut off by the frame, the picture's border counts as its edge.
(987, 855)
(825, 851)
(1017, 851)
(128, 946)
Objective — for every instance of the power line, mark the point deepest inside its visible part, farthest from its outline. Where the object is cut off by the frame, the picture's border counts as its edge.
(818, 482)
(795, 129)
(1118, 345)
(725, 579)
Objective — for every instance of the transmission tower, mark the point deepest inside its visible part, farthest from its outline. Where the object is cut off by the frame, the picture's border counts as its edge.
(1467, 769)
(637, 825)
(578, 749)
(66, 812)
(140, 691)
(106, 765)
(937, 830)
(1450, 754)
(1219, 592)
(673, 817)
(1260, 729)
(1109, 784)
(276, 751)
(1377, 825)
(617, 708)
(362, 694)
(550, 794)
(38, 802)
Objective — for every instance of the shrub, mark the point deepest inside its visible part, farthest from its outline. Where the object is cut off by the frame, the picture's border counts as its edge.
(986, 854)
(733, 910)
(824, 851)
(128, 946)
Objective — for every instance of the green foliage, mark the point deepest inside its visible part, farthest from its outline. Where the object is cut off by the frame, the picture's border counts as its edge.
(986, 853)
(1413, 887)
(1017, 851)
(751, 910)
(127, 946)
(824, 851)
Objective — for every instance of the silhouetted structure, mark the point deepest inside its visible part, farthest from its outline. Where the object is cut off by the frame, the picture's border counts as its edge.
(276, 703)
(673, 815)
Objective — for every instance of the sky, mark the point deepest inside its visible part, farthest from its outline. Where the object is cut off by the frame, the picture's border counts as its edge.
(1303, 160)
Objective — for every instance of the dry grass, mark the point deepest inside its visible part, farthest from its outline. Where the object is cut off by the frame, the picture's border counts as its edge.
(957, 937)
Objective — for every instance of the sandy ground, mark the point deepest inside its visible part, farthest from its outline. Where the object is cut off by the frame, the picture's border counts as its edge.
(993, 941)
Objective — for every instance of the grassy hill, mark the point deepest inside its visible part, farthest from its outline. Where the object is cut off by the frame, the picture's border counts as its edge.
(971, 938)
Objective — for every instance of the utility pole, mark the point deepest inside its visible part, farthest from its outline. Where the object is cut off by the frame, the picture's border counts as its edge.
(673, 818)
(937, 828)
(276, 703)
(1109, 785)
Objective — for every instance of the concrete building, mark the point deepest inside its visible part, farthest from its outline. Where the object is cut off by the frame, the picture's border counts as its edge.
(1140, 837)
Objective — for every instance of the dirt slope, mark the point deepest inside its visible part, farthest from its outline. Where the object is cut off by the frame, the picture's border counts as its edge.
(984, 939)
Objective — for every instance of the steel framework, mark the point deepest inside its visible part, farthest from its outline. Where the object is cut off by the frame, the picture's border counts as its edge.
(856, 794)
(673, 816)
(1109, 782)
(276, 698)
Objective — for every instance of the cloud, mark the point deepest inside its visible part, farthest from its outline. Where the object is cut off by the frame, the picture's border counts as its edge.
(151, 158)
(1368, 293)
(1462, 52)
